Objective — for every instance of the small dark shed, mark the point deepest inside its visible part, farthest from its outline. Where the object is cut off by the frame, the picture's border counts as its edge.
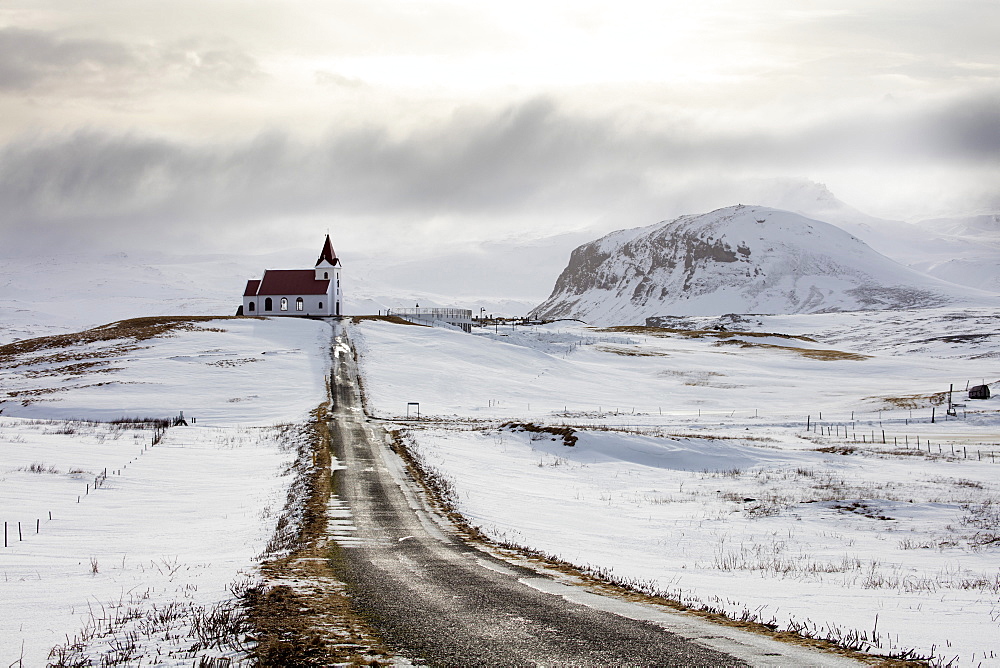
(979, 392)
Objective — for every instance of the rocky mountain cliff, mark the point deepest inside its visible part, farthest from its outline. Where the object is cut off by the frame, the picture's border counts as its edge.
(740, 259)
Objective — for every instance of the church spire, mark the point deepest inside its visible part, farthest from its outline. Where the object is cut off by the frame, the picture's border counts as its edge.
(328, 253)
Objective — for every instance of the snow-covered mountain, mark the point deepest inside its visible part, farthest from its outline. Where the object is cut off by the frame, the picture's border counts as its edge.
(963, 250)
(740, 259)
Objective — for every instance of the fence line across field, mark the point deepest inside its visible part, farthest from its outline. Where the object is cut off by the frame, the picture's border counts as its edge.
(99, 480)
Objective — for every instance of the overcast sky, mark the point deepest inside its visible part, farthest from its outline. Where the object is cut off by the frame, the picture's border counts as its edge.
(254, 126)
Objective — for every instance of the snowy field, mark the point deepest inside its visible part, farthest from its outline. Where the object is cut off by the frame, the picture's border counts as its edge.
(694, 473)
(117, 547)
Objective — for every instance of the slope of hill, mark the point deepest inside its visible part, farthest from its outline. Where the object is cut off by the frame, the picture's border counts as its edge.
(740, 259)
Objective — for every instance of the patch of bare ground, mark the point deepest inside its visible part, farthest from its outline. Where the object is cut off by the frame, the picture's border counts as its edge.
(566, 434)
(631, 352)
(137, 329)
(698, 333)
(811, 353)
(441, 495)
(90, 352)
(301, 615)
(912, 401)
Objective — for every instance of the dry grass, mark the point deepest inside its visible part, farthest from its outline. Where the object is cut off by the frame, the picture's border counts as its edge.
(77, 369)
(631, 352)
(92, 351)
(697, 333)
(567, 434)
(303, 617)
(913, 401)
(811, 353)
(137, 329)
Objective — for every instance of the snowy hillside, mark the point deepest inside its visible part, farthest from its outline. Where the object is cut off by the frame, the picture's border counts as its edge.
(132, 539)
(740, 259)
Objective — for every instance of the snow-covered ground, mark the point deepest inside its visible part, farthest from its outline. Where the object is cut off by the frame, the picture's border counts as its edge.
(694, 473)
(147, 559)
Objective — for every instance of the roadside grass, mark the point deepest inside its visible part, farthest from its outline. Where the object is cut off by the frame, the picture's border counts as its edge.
(300, 614)
(119, 631)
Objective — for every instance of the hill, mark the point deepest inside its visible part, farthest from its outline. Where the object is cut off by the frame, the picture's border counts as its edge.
(739, 259)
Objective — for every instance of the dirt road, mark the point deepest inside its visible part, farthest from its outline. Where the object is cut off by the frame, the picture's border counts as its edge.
(437, 600)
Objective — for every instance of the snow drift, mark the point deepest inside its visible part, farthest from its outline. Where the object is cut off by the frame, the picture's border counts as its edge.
(740, 259)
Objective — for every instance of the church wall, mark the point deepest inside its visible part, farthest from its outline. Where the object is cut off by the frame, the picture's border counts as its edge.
(310, 305)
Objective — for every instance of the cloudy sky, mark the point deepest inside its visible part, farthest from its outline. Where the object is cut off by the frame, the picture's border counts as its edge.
(406, 124)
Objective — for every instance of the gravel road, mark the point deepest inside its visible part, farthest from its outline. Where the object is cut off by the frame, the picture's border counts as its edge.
(439, 601)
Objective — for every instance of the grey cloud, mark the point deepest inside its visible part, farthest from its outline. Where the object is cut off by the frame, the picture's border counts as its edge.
(32, 60)
(532, 159)
(29, 58)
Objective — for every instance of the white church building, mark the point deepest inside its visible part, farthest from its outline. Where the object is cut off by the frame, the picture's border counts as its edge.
(298, 292)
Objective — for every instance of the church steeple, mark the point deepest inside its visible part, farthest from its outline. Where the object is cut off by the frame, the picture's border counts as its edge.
(328, 254)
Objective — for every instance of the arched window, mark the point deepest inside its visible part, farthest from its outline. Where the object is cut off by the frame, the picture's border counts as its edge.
(299, 304)
(321, 305)
(284, 303)
(251, 307)
(268, 304)
(326, 274)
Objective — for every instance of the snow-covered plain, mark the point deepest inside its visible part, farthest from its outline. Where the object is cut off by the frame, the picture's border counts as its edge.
(694, 473)
(157, 550)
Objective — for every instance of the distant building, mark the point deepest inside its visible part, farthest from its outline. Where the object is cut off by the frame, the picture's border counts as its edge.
(979, 392)
(298, 292)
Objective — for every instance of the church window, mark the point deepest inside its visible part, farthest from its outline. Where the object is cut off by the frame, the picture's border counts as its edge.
(326, 274)
(284, 303)
(321, 304)
(299, 304)
(338, 308)
(251, 307)
(268, 305)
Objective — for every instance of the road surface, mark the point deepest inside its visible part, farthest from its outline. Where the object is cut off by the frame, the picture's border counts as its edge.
(437, 600)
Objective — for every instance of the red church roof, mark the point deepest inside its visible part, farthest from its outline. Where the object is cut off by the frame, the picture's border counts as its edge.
(328, 253)
(287, 282)
(251, 290)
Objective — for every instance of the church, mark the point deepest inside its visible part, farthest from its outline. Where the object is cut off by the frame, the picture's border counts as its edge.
(298, 292)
